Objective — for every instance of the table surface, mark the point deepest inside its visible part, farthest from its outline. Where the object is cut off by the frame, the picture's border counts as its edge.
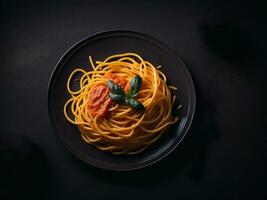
(224, 46)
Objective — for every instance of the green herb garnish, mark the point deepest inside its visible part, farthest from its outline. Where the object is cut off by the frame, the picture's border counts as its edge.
(136, 84)
(117, 94)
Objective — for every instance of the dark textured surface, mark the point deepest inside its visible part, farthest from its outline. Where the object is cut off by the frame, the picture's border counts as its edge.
(223, 45)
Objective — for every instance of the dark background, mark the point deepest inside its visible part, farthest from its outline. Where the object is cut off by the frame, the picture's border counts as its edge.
(224, 46)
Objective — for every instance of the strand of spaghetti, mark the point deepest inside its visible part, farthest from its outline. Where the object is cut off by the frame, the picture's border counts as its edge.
(172, 87)
(91, 62)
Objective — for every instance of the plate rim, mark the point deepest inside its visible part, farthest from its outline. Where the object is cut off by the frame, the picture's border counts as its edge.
(165, 48)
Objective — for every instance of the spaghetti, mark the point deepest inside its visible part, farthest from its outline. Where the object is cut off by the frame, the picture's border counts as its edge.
(114, 127)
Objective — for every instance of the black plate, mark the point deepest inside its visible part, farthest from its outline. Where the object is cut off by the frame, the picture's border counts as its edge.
(100, 46)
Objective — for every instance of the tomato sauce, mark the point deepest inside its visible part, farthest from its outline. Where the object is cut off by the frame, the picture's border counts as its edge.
(99, 101)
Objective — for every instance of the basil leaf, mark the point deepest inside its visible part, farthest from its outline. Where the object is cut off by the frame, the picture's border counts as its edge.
(136, 104)
(114, 88)
(116, 97)
(127, 99)
(136, 84)
(117, 94)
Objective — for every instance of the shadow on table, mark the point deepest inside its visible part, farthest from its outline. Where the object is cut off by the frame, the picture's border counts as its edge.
(231, 43)
(24, 173)
(188, 159)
